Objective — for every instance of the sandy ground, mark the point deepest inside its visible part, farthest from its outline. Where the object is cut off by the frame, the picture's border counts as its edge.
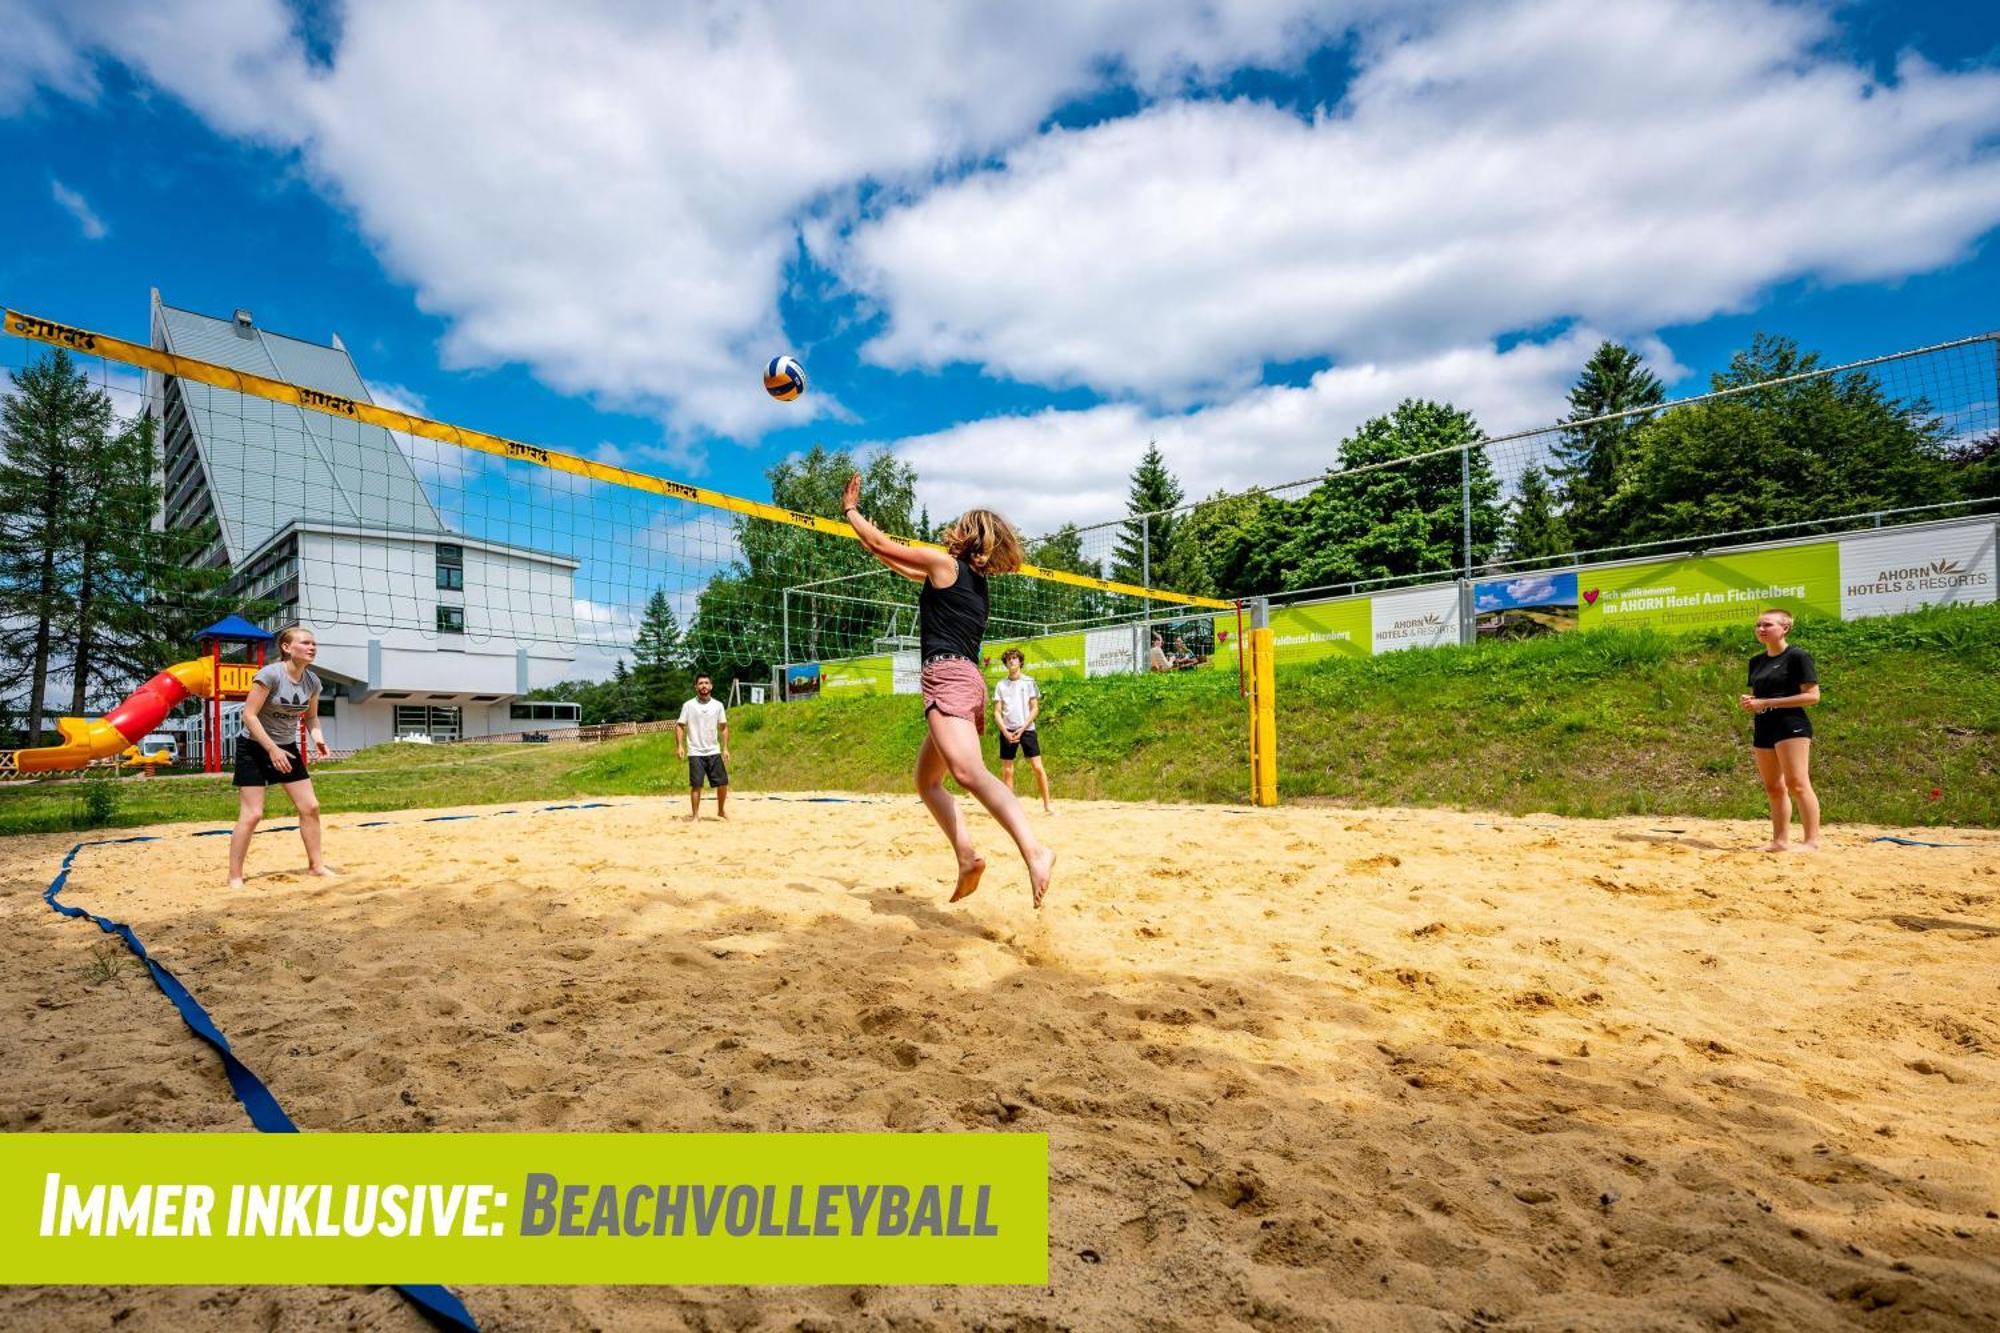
(1306, 1068)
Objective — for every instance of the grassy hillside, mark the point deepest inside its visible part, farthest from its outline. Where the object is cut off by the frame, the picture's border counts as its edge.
(1608, 723)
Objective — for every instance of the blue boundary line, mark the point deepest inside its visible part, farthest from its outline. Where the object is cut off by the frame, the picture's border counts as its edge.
(435, 1302)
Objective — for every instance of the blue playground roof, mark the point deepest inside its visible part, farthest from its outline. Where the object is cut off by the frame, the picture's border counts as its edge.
(235, 629)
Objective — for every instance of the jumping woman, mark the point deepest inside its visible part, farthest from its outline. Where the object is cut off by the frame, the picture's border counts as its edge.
(282, 709)
(951, 611)
(1784, 681)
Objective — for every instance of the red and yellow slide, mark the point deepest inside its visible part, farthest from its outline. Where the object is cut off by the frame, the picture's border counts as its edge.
(85, 739)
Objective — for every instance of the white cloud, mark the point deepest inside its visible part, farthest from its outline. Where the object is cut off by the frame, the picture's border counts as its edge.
(1634, 166)
(611, 193)
(604, 635)
(1050, 468)
(38, 54)
(79, 208)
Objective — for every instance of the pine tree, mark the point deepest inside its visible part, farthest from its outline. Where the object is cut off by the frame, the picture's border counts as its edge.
(1590, 460)
(112, 556)
(1535, 530)
(619, 705)
(46, 429)
(1145, 549)
(659, 654)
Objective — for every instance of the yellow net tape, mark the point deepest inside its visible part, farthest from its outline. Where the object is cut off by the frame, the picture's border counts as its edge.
(314, 400)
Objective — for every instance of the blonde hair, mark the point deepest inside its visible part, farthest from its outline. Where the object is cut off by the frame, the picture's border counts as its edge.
(1778, 611)
(290, 632)
(985, 541)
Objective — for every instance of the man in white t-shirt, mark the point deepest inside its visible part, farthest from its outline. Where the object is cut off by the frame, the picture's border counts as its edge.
(701, 736)
(1017, 701)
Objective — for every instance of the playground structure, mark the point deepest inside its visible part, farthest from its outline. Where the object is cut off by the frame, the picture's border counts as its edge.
(121, 729)
(117, 735)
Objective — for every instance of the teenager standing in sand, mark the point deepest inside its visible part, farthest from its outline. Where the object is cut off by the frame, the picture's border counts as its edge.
(1018, 700)
(951, 614)
(1784, 681)
(284, 697)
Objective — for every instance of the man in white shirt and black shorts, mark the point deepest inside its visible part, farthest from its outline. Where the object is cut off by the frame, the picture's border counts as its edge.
(701, 736)
(1017, 701)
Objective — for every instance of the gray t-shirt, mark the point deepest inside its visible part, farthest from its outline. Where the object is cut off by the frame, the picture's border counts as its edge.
(287, 703)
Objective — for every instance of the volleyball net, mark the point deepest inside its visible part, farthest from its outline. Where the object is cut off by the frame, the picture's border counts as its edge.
(220, 467)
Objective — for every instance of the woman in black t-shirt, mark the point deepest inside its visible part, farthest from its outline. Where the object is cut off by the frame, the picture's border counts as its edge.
(952, 611)
(1783, 681)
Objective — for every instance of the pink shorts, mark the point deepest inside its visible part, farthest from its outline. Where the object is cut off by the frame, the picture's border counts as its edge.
(955, 688)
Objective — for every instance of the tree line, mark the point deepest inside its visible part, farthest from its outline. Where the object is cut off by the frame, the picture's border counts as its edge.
(1392, 507)
(1814, 449)
(91, 591)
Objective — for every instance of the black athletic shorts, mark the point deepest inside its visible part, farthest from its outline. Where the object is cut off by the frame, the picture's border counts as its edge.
(255, 769)
(709, 766)
(1030, 744)
(1780, 724)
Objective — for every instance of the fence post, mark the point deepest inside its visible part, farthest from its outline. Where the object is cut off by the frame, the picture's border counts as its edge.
(1263, 708)
(1465, 502)
(1146, 572)
(785, 612)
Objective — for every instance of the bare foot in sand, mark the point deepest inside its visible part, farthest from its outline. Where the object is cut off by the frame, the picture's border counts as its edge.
(968, 878)
(1040, 868)
(1802, 847)
(690, 819)
(322, 872)
(1775, 847)
(235, 883)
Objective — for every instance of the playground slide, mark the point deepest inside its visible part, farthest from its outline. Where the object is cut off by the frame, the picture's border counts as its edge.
(85, 739)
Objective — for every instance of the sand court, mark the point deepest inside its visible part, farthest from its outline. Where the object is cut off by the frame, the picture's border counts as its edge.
(1300, 1068)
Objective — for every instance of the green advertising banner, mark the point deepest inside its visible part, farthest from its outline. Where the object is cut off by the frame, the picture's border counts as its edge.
(858, 675)
(1328, 629)
(1058, 657)
(89, 1209)
(1699, 592)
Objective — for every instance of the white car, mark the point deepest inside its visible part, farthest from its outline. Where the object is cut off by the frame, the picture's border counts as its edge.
(415, 738)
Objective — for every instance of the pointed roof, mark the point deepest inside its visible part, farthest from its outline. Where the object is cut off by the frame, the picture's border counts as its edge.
(235, 629)
(268, 464)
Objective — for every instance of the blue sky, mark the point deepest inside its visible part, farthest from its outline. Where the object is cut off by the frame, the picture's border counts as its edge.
(1011, 246)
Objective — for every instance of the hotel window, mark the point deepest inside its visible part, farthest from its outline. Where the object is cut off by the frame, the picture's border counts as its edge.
(451, 567)
(451, 620)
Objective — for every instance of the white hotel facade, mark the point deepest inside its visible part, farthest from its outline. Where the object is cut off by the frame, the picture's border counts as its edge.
(422, 630)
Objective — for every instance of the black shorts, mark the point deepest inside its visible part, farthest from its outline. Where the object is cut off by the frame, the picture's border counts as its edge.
(709, 766)
(1780, 724)
(1030, 744)
(255, 769)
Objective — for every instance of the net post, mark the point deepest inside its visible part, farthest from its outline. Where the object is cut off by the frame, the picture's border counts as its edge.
(1263, 708)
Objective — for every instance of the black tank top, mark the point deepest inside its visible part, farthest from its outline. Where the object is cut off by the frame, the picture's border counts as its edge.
(953, 620)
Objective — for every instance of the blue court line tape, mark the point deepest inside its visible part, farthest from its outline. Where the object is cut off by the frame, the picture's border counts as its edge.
(1912, 842)
(437, 1303)
(260, 832)
(822, 800)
